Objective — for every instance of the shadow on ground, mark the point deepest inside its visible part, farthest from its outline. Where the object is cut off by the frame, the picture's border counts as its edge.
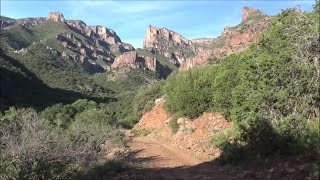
(275, 168)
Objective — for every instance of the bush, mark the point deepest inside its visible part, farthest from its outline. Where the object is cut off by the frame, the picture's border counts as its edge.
(141, 132)
(145, 97)
(230, 134)
(32, 150)
(82, 110)
(188, 93)
(173, 125)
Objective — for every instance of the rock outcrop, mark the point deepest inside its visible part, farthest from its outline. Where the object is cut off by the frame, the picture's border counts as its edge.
(162, 38)
(126, 59)
(56, 17)
(97, 46)
(131, 59)
(168, 43)
(203, 41)
(188, 53)
(231, 41)
(150, 63)
(248, 12)
(108, 35)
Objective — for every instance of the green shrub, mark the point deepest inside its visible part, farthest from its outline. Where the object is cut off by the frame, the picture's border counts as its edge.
(141, 132)
(188, 93)
(145, 97)
(173, 125)
(229, 134)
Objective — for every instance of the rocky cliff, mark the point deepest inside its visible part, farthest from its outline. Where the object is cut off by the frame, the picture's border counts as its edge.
(133, 60)
(168, 43)
(56, 17)
(189, 53)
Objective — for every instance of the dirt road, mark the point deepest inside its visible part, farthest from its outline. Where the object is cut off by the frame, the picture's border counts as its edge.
(161, 161)
(159, 155)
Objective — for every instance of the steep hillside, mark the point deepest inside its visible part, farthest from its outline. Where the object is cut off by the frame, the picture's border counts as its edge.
(270, 91)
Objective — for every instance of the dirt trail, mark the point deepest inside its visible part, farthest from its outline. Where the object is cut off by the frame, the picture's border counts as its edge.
(160, 161)
(160, 155)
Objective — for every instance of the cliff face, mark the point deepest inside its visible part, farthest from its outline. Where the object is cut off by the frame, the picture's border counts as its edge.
(133, 60)
(56, 17)
(168, 43)
(108, 35)
(248, 13)
(189, 53)
(162, 39)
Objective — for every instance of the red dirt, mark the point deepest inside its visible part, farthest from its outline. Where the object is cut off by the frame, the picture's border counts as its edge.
(193, 140)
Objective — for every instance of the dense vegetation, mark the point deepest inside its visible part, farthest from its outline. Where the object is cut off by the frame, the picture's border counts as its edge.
(270, 91)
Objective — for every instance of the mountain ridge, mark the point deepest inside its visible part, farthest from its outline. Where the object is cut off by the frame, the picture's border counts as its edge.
(100, 48)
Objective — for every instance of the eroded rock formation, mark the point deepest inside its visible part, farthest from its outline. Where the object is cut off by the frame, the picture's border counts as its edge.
(108, 35)
(131, 59)
(56, 17)
(248, 12)
(189, 53)
(168, 43)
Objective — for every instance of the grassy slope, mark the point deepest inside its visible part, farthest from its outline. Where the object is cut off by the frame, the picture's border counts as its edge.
(161, 59)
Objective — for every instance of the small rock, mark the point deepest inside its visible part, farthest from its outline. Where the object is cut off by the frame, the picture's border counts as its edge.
(181, 121)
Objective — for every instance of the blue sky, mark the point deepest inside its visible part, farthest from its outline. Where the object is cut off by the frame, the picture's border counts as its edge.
(192, 19)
